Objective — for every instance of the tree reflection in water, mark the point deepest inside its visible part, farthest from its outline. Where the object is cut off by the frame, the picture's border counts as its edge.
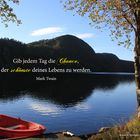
(67, 90)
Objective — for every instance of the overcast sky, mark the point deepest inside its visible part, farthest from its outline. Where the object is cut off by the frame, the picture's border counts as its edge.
(45, 19)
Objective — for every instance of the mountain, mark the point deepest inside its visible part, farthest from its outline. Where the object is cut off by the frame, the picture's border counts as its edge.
(67, 47)
(73, 47)
(9, 49)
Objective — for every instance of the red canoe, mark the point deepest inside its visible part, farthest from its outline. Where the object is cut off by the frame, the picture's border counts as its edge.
(16, 128)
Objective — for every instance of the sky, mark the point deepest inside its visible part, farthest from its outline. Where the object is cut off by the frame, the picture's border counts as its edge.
(46, 19)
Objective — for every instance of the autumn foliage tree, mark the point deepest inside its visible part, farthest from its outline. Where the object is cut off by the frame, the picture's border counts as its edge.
(122, 17)
(6, 12)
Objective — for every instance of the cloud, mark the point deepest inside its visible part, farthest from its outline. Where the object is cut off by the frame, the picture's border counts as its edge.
(85, 35)
(47, 31)
(45, 109)
(82, 107)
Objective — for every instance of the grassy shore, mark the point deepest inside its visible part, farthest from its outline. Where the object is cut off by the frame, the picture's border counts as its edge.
(128, 131)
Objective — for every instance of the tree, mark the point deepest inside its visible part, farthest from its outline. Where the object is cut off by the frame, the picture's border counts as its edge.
(6, 12)
(122, 17)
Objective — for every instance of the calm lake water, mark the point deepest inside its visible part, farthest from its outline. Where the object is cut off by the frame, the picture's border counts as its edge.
(80, 104)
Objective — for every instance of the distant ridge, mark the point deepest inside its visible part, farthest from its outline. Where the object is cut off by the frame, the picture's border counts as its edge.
(72, 46)
(66, 46)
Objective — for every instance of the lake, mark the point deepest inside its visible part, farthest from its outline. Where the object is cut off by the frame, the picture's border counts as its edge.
(78, 103)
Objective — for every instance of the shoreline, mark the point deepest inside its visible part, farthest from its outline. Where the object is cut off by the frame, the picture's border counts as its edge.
(128, 131)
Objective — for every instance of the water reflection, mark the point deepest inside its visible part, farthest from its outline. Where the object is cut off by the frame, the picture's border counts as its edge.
(45, 110)
(67, 90)
(78, 103)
